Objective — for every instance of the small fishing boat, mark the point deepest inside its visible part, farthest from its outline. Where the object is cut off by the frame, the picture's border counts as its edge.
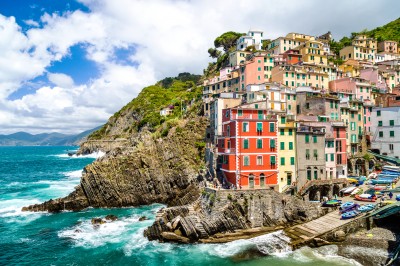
(331, 203)
(346, 205)
(398, 197)
(350, 208)
(387, 202)
(352, 180)
(370, 198)
(349, 190)
(376, 187)
(382, 181)
(350, 214)
(354, 192)
(366, 208)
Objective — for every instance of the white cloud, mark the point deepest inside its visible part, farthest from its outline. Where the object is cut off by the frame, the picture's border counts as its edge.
(31, 22)
(168, 36)
(61, 80)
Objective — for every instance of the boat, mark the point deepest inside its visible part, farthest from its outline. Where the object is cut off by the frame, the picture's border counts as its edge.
(346, 205)
(391, 168)
(331, 203)
(387, 202)
(366, 208)
(350, 208)
(350, 214)
(377, 187)
(398, 197)
(352, 180)
(370, 198)
(349, 190)
(382, 181)
(372, 176)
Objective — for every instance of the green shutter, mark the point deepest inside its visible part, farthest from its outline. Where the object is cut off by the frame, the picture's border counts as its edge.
(290, 132)
(259, 127)
(271, 127)
(332, 157)
(272, 160)
(259, 143)
(245, 144)
(282, 130)
(282, 145)
(392, 133)
(290, 145)
(307, 138)
(315, 139)
(272, 143)
(282, 160)
(291, 160)
(283, 120)
(391, 122)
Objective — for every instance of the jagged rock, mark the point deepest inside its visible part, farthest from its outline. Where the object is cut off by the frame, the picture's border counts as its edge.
(147, 170)
(98, 221)
(142, 218)
(169, 236)
(340, 236)
(111, 217)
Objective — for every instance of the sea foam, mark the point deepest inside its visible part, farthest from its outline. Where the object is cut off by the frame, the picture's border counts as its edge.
(94, 155)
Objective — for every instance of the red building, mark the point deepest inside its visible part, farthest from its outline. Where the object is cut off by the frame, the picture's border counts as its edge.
(247, 147)
(292, 56)
(340, 149)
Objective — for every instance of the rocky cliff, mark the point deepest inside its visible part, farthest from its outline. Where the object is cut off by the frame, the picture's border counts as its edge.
(222, 216)
(148, 158)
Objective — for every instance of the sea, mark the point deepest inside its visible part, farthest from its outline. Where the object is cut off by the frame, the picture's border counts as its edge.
(30, 175)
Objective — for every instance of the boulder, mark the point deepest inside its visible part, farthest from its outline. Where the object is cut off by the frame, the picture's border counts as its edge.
(142, 218)
(170, 236)
(111, 217)
(98, 221)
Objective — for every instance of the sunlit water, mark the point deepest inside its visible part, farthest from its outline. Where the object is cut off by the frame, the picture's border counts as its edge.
(31, 175)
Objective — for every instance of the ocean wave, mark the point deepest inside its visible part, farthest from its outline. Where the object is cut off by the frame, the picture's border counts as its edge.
(93, 155)
(73, 174)
(11, 210)
(88, 236)
(326, 254)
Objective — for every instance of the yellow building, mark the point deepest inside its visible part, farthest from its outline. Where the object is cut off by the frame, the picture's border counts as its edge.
(237, 57)
(366, 42)
(313, 52)
(294, 76)
(286, 151)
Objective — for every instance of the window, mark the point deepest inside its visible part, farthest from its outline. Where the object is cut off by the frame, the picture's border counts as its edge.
(240, 112)
(332, 157)
(259, 160)
(307, 138)
(283, 120)
(315, 173)
(391, 123)
(245, 127)
(259, 144)
(259, 68)
(381, 134)
(246, 161)
(308, 173)
(391, 133)
(282, 160)
(290, 145)
(245, 144)
(359, 117)
(315, 139)
(307, 154)
(316, 154)
(379, 123)
(259, 127)
(272, 144)
(391, 148)
(282, 145)
(273, 160)
(378, 113)
(271, 127)
(291, 160)
(290, 132)
(282, 130)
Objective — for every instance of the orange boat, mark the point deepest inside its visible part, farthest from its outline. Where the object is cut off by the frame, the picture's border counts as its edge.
(372, 199)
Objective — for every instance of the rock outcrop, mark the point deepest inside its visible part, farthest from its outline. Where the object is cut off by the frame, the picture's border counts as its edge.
(150, 169)
(222, 216)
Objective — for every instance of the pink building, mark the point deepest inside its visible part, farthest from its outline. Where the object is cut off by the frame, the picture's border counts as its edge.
(353, 88)
(373, 76)
(252, 72)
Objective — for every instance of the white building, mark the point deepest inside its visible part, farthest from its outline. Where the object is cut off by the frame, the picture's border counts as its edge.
(385, 129)
(253, 37)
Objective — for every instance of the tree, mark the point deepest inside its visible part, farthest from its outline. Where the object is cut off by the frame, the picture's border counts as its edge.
(214, 53)
(227, 40)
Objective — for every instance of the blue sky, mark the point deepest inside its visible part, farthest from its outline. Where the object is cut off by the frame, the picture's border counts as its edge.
(67, 66)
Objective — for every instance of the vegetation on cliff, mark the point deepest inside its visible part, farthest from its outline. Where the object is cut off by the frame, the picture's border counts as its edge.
(144, 111)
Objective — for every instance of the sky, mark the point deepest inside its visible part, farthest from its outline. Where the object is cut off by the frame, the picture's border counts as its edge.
(68, 65)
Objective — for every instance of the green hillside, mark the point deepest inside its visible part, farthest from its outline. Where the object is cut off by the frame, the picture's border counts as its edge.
(390, 31)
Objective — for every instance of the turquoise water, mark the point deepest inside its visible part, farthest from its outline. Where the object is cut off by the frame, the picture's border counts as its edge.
(31, 175)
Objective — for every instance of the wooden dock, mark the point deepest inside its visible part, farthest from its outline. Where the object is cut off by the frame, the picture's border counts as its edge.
(306, 232)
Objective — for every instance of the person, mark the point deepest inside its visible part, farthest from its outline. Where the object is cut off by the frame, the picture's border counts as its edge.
(390, 195)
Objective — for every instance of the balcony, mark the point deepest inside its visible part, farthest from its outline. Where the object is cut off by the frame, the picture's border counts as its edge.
(230, 150)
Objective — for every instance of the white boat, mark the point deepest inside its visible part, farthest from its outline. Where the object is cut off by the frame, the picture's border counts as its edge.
(349, 190)
(365, 196)
(372, 175)
(391, 168)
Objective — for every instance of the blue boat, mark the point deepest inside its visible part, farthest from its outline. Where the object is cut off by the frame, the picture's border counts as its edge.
(331, 203)
(350, 214)
(346, 205)
(398, 197)
(352, 207)
(366, 208)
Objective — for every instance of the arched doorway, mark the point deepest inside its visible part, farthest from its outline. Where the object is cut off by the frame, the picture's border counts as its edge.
(251, 181)
(262, 180)
(360, 167)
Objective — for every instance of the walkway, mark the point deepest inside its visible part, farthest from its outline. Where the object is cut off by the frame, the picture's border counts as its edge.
(308, 231)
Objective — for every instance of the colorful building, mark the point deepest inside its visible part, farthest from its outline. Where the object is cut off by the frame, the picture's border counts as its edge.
(388, 47)
(247, 148)
(286, 151)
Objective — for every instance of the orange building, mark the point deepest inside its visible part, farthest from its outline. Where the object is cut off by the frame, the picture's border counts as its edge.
(247, 148)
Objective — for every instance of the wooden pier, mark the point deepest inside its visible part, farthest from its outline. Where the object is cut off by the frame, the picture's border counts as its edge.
(307, 232)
